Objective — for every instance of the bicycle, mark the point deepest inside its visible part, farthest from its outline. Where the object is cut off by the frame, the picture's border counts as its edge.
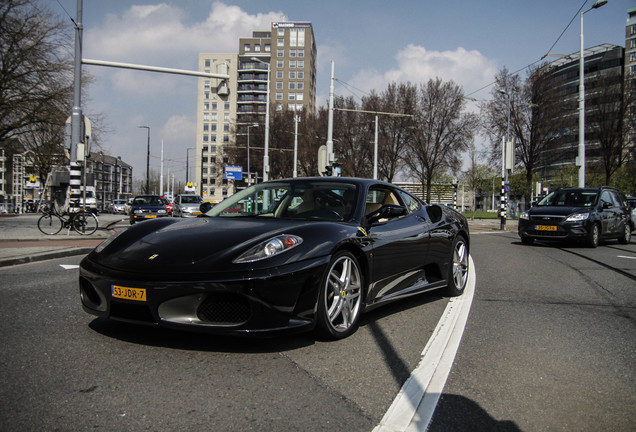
(82, 221)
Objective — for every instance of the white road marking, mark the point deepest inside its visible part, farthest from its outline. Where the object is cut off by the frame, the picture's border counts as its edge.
(623, 256)
(69, 266)
(414, 405)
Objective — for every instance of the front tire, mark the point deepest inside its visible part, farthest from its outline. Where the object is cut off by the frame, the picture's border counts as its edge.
(85, 223)
(626, 237)
(458, 271)
(340, 297)
(593, 236)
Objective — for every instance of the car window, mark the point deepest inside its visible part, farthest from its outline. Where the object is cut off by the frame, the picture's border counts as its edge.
(412, 203)
(320, 200)
(377, 197)
(570, 198)
(606, 198)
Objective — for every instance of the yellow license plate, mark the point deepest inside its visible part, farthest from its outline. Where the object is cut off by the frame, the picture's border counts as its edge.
(151, 216)
(196, 213)
(546, 228)
(127, 293)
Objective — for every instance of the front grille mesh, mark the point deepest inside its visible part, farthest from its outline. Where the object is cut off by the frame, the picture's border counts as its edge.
(224, 309)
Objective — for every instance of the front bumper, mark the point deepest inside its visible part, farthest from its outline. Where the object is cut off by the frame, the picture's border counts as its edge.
(274, 301)
(561, 231)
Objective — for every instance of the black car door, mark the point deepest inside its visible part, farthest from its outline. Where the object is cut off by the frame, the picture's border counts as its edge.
(399, 248)
(607, 209)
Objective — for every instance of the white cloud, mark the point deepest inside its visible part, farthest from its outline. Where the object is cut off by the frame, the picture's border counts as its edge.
(179, 128)
(416, 64)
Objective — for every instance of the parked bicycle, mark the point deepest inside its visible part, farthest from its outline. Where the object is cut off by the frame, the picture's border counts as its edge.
(82, 221)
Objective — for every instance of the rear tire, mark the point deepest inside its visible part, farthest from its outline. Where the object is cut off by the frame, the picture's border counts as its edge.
(458, 271)
(49, 224)
(593, 236)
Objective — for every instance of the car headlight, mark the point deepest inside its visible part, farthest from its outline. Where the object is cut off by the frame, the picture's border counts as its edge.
(269, 248)
(161, 211)
(139, 211)
(577, 217)
(524, 215)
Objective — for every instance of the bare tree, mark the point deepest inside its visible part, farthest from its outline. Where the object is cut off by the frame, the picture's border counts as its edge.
(35, 71)
(442, 131)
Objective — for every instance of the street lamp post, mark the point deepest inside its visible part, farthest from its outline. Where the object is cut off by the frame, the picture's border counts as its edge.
(147, 160)
(266, 145)
(504, 171)
(581, 157)
(188, 165)
(249, 170)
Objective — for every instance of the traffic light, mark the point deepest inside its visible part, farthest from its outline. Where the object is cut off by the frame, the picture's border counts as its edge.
(329, 170)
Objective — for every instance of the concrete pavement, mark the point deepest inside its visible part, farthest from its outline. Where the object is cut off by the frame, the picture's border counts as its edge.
(21, 241)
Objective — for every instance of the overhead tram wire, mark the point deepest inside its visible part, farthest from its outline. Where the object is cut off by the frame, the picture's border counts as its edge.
(544, 56)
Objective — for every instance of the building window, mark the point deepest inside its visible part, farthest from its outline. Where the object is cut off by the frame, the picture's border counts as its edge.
(213, 138)
(292, 96)
(204, 149)
(213, 127)
(292, 53)
(226, 117)
(280, 64)
(214, 116)
(292, 63)
(206, 117)
(204, 159)
(280, 42)
(301, 37)
(279, 96)
(301, 53)
(214, 106)
(280, 53)
(206, 106)
(213, 149)
(292, 85)
(301, 75)
(226, 128)
(206, 127)
(226, 106)
(206, 138)
(301, 64)
(279, 85)
(279, 74)
(257, 47)
(281, 32)
(206, 95)
(268, 47)
(226, 138)
(299, 96)
(293, 37)
(292, 75)
(300, 85)
(246, 48)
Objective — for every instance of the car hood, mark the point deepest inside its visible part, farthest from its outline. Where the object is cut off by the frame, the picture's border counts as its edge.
(558, 210)
(204, 245)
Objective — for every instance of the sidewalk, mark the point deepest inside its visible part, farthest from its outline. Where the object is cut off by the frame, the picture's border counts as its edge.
(22, 242)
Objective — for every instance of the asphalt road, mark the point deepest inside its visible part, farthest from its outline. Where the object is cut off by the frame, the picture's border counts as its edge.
(549, 345)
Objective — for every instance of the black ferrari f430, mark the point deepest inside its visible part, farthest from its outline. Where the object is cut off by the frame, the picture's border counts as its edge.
(280, 256)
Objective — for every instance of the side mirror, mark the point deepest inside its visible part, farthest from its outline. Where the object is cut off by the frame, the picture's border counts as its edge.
(606, 205)
(205, 207)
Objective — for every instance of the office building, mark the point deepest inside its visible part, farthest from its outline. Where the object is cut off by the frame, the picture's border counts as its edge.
(281, 60)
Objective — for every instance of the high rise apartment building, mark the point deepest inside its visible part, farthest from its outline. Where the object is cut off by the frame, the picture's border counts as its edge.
(630, 43)
(281, 60)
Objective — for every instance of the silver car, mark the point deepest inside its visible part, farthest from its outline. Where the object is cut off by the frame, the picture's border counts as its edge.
(187, 205)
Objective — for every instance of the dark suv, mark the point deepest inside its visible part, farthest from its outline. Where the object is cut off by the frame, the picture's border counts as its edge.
(589, 214)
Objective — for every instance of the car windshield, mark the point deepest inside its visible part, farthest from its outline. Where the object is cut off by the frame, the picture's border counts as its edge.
(150, 200)
(303, 200)
(191, 199)
(570, 198)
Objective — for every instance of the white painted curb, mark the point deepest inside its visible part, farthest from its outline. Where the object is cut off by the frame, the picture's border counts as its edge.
(414, 405)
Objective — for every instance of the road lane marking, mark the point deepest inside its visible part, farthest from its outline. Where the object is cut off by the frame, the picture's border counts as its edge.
(623, 256)
(413, 407)
(69, 266)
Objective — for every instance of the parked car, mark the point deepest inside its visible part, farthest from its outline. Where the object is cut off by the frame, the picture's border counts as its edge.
(118, 206)
(588, 214)
(147, 207)
(281, 256)
(186, 205)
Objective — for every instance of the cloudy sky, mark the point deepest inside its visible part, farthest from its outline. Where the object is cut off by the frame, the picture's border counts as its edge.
(372, 43)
